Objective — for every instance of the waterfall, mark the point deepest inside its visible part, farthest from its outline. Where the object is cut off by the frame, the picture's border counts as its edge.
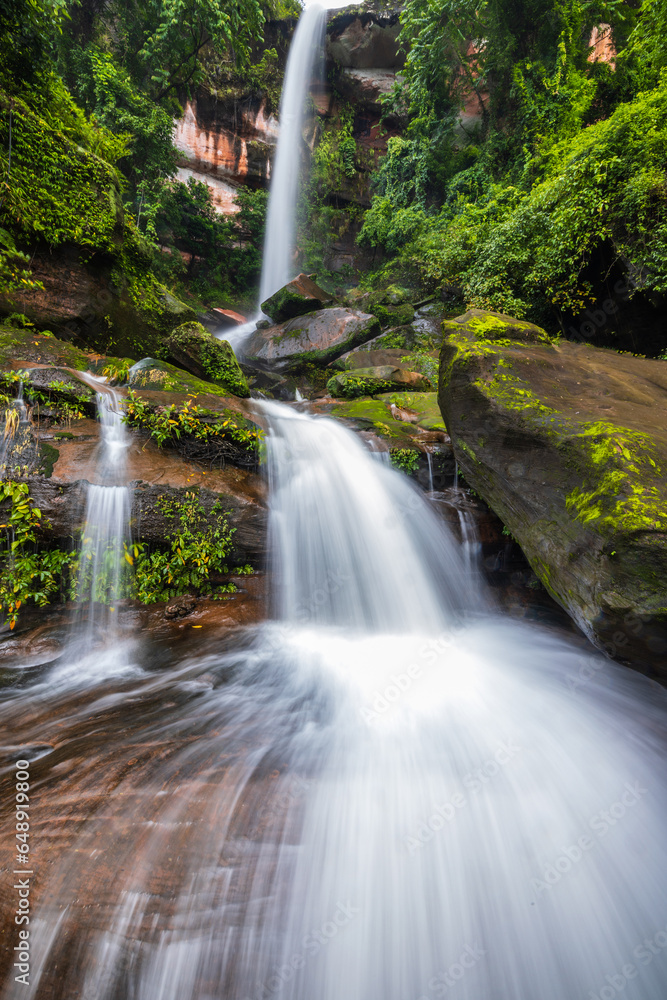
(102, 562)
(390, 792)
(277, 261)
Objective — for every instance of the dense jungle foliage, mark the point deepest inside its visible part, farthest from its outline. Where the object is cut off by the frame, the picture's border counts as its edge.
(557, 185)
(522, 174)
(88, 95)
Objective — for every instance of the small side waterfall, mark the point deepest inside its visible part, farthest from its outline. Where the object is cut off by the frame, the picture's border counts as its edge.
(106, 530)
(15, 435)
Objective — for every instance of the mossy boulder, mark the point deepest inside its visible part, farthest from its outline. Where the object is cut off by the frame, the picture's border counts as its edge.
(152, 374)
(568, 445)
(318, 338)
(371, 381)
(296, 298)
(203, 355)
(481, 325)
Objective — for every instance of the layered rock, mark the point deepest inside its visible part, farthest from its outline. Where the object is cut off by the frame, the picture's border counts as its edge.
(568, 445)
(81, 300)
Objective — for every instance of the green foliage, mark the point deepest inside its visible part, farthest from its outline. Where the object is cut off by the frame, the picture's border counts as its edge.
(347, 385)
(167, 424)
(525, 252)
(63, 187)
(197, 547)
(26, 574)
(15, 275)
(224, 251)
(27, 28)
(404, 459)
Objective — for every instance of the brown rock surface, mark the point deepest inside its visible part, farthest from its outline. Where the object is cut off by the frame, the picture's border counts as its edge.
(568, 445)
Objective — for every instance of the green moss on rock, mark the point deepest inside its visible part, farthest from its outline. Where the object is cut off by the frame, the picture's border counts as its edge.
(208, 358)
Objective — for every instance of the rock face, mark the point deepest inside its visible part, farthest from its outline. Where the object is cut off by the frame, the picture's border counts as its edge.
(80, 298)
(208, 358)
(568, 445)
(296, 298)
(318, 337)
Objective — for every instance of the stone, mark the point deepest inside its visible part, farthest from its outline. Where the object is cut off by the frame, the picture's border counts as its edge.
(149, 373)
(228, 318)
(568, 445)
(314, 339)
(371, 381)
(366, 87)
(296, 298)
(480, 324)
(392, 307)
(203, 355)
(371, 358)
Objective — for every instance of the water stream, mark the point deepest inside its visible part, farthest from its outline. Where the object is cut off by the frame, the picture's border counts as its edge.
(278, 267)
(386, 791)
(106, 532)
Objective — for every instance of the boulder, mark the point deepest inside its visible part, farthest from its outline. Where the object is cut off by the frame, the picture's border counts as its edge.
(314, 339)
(371, 358)
(203, 355)
(296, 298)
(149, 373)
(568, 445)
(371, 381)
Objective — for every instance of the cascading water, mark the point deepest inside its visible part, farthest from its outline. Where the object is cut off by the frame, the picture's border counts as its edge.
(390, 793)
(102, 561)
(277, 262)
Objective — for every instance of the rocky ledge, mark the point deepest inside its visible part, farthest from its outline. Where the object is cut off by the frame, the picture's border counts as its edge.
(568, 445)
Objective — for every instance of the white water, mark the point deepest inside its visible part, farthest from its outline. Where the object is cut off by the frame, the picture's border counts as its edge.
(306, 46)
(106, 530)
(392, 795)
(279, 239)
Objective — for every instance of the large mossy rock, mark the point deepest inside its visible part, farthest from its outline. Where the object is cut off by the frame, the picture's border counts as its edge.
(317, 338)
(372, 381)
(296, 298)
(149, 373)
(568, 445)
(203, 355)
